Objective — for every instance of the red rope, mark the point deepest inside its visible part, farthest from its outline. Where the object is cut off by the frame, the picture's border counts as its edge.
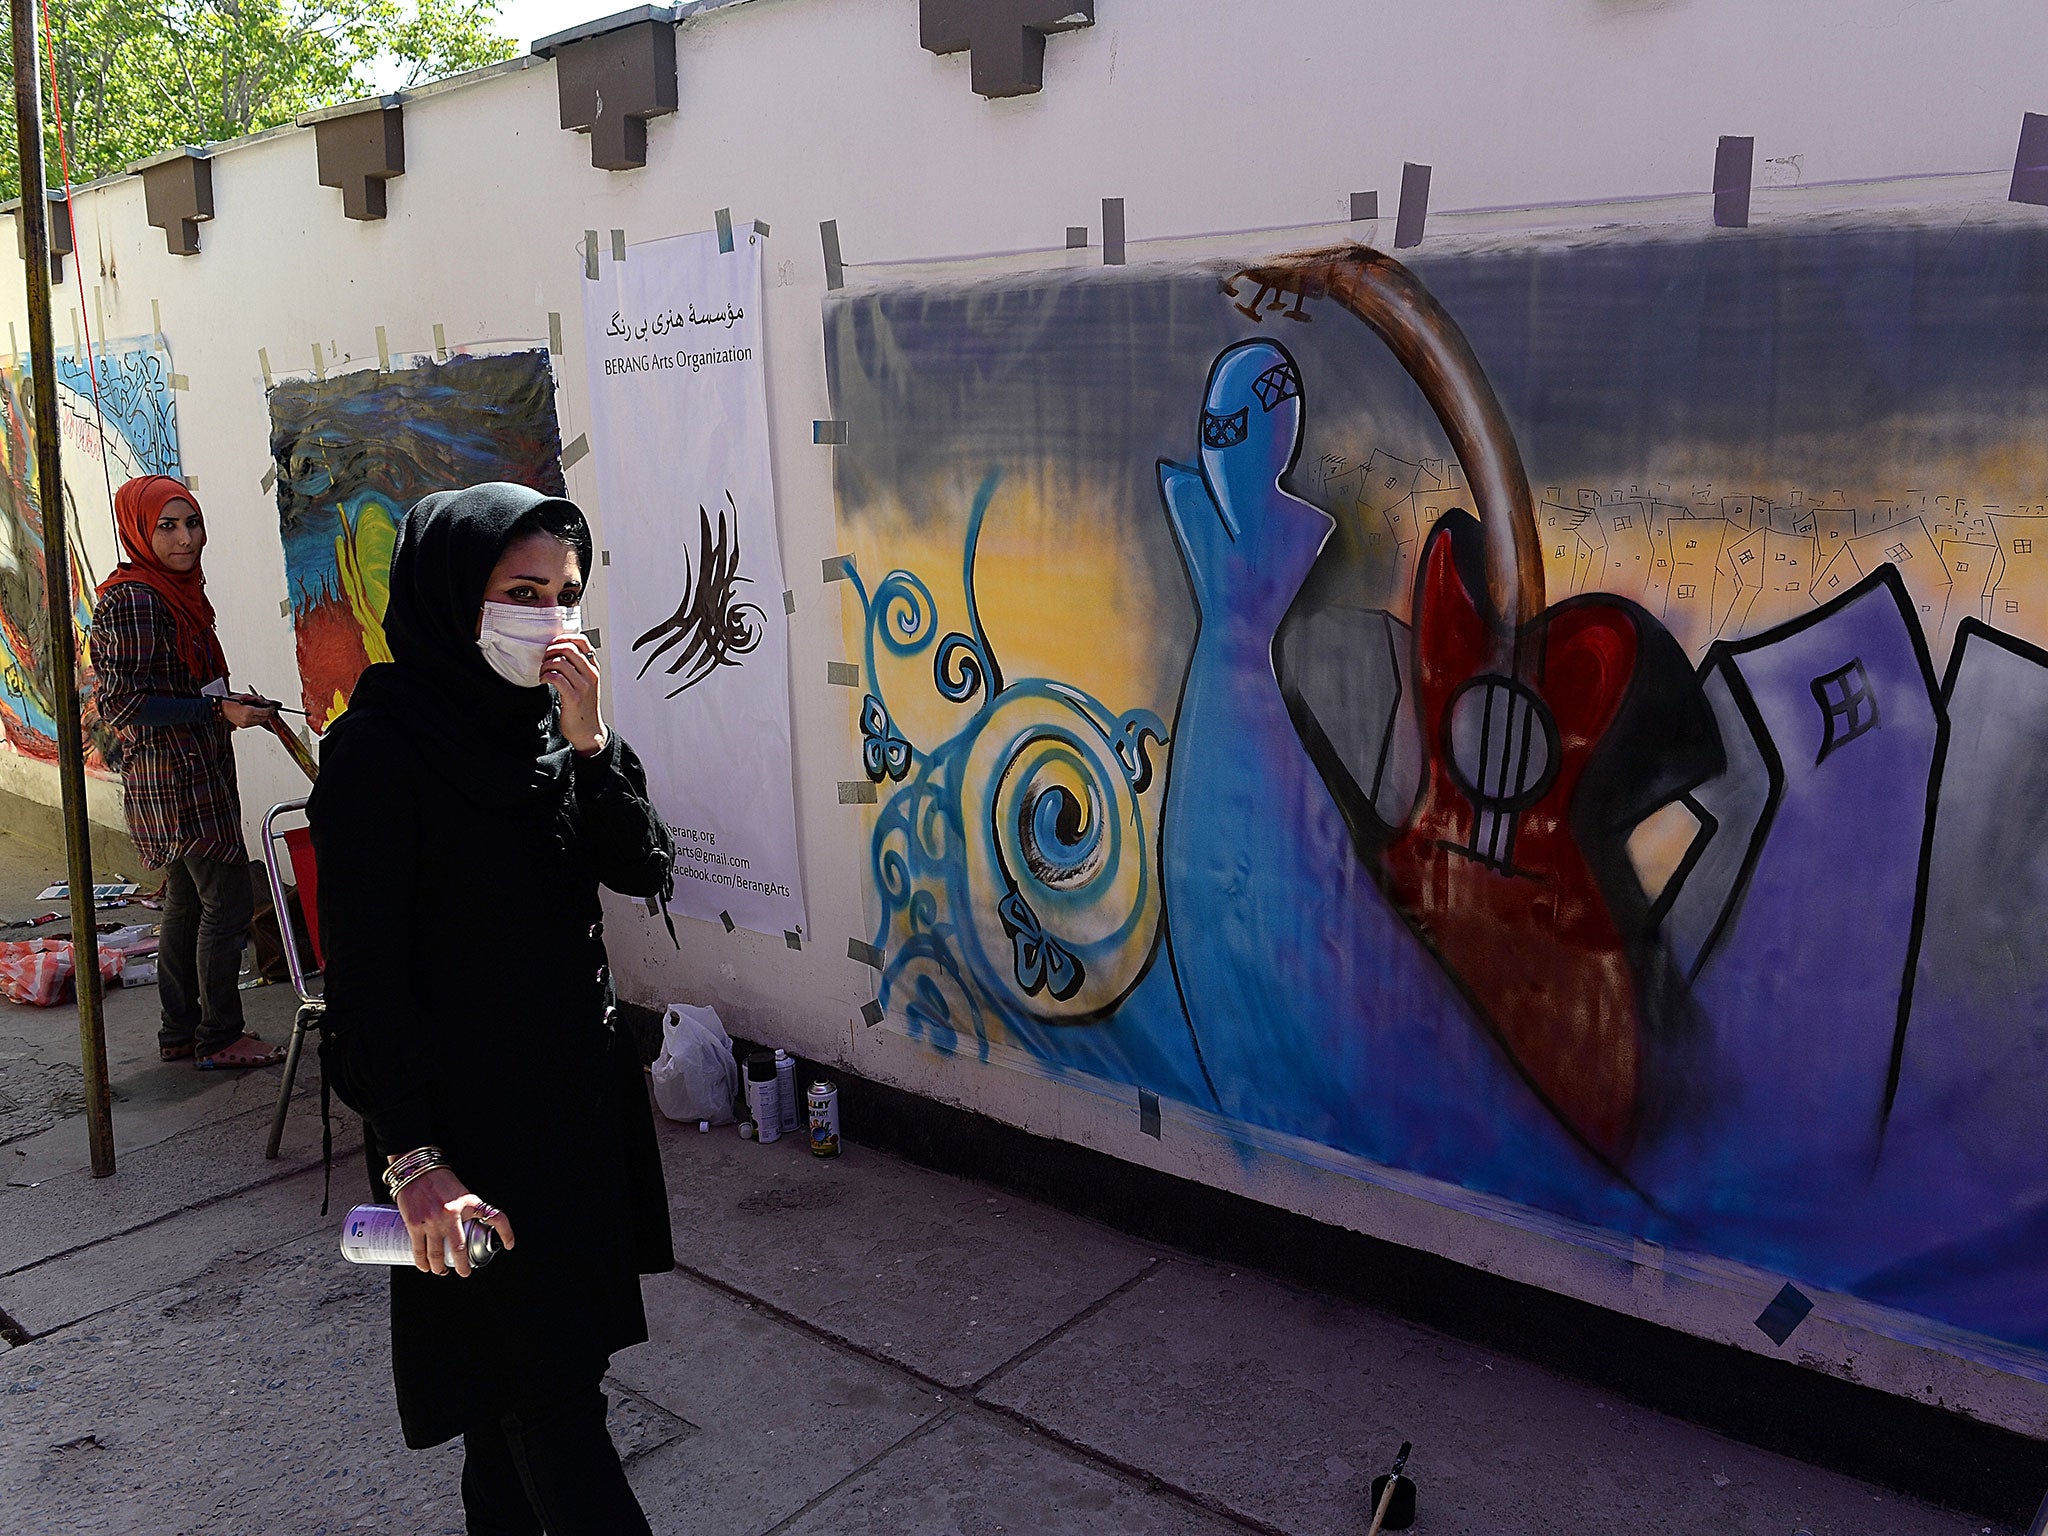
(92, 366)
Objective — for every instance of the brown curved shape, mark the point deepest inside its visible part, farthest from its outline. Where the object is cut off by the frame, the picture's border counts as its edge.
(1427, 342)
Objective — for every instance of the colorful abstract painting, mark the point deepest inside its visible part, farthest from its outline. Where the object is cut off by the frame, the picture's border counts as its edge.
(1558, 726)
(354, 452)
(124, 427)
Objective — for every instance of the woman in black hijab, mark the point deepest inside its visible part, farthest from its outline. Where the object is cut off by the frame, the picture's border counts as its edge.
(470, 803)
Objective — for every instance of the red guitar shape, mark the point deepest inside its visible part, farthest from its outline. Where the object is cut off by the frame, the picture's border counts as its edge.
(1493, 868)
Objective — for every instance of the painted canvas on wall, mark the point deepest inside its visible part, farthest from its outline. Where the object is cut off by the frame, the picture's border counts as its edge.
(124, 428)
(354, 452)
(1557, 725)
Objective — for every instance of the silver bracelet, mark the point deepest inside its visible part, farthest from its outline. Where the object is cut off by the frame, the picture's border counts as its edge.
(412, 1165)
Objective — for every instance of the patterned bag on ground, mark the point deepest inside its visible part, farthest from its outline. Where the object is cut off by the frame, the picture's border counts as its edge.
(34, 971)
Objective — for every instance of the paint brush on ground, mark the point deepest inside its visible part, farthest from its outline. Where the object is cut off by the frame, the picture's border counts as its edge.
(1393, 1497)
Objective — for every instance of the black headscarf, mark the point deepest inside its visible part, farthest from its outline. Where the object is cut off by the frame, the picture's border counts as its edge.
(497, 742)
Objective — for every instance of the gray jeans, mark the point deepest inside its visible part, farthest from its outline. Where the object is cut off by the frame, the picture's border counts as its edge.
(207, 908)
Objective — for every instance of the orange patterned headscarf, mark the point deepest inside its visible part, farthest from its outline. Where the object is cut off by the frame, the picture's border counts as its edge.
(137, 506)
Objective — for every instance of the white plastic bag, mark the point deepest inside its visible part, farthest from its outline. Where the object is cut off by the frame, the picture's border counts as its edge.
(695, 1076)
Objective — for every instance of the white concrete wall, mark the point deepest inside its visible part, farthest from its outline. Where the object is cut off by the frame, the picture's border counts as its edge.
(1205, 115)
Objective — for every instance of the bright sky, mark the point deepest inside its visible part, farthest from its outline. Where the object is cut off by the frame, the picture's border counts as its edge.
(528, 20)
(525, 22)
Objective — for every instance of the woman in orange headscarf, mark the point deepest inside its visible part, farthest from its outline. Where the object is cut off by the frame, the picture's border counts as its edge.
(154, 650)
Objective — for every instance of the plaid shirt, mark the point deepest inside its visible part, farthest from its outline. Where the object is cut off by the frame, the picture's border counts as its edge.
(178, 781)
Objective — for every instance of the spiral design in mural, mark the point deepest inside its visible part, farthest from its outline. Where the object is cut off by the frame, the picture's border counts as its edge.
(1062, 900)
(904, 614)
(963, 668)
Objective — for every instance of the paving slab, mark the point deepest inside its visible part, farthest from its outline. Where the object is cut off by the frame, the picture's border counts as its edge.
(209, 1162)
(936, 1273)
(47, 1296)
(974, 1475)
(1281, 1407)
(780, 1415)
(255, 1397)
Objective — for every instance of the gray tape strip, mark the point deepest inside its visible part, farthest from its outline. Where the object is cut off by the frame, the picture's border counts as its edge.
(1734, 161)
(383, 351)
(792, 938)
(1414, 209)
(2029, 174)
(590, 255)
(1148, 1113)
(828, 432)
(726, 918)
(262, 356)
(857, 792)
(1365, 206)
(178, 381)
(192, 484)
(1112, 231)
(1788, 1309)
(835, 265)
(872, 1012)
(838, 568)
(1077, 237)
(604, 557)
(842, 674)
(761, 228)
(596, 638)
(269, 481)
(319, 362)
(618, 245)
(441, 343)
(577, 451)
(724, 217)
(788, 601)
(865, 953)
(555, 332)
(284, 609)
(156, 319)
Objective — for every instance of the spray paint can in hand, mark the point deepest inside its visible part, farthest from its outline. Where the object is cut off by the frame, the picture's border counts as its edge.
(763, 1096)
(785, 1090)
(823, 1102)
(375, 1234)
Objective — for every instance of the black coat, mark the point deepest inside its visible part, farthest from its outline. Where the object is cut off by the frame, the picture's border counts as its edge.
(469, 1007)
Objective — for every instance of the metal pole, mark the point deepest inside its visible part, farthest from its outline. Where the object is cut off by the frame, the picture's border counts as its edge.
(85, 944)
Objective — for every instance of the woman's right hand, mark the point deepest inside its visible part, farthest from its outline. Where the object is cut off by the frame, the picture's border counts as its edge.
(241, 716)
(435, 1205)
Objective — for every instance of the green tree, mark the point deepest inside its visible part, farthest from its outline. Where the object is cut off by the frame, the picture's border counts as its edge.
(141, 76)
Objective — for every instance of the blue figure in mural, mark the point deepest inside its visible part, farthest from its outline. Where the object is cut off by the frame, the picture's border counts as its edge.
(1317, 1011)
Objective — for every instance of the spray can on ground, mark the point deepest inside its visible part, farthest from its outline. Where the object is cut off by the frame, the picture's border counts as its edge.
(375, 1234)
(785, 1090)
(823, 1103)
(763, 1096)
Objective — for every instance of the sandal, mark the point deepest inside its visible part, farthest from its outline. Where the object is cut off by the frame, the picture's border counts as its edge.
(236, 1055)
(182, 1051)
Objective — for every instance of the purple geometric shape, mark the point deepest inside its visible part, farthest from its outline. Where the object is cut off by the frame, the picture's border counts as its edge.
(1778, 1098)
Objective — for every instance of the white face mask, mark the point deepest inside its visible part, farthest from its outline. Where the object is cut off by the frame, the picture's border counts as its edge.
(515, 639)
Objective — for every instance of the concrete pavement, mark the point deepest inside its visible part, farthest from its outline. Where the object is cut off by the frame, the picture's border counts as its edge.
(858, 1346)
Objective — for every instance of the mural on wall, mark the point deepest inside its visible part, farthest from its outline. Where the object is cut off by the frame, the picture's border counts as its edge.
(1563, 723)
(130, 429)
(354, 452)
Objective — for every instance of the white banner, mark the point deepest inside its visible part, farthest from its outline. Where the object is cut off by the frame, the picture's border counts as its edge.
(698, 650)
